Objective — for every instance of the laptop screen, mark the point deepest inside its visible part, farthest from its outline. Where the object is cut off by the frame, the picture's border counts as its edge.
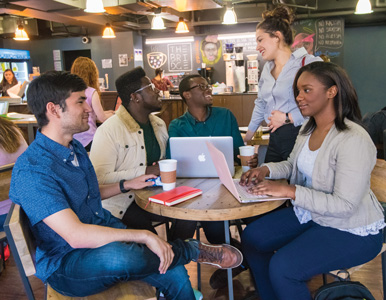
(193, 158)
(4, 107)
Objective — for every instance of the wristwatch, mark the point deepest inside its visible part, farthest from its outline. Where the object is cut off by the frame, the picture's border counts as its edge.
(287, 119)
(122, 188)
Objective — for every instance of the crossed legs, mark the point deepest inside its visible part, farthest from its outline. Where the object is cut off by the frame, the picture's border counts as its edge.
(89, 271)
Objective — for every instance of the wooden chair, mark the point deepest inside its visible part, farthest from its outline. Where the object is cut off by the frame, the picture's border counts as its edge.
(22, 244)
(5, 181)
(378, 186)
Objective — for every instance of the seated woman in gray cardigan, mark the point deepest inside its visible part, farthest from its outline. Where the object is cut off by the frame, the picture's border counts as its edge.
(335, 221)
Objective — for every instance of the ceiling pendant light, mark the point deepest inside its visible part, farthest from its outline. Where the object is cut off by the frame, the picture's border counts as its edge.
(182, 27)
(94, 6)
(363, 7)
(157, 23)
(230, 16)
(108, 33)
(20, 34)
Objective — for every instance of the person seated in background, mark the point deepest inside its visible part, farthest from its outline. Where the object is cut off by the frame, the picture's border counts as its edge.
(9, 80)
(161, 83)
(335, 221)
(86, 69)
(81, 248)
(129, 145)
(201, 119)
(12, 142)
(375, 124)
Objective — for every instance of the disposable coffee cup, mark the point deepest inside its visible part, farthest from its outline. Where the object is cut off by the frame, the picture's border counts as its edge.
(246, 154)
(166, 94)
(168, 170)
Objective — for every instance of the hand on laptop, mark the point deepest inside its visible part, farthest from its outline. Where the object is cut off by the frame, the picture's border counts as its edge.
(254, 176)
(273, 188)
(154, 169)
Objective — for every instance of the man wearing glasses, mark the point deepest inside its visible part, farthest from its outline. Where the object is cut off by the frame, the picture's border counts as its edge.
(129, 145)
(201, 119)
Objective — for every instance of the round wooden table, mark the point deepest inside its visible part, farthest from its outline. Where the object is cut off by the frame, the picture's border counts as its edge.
(215, 204)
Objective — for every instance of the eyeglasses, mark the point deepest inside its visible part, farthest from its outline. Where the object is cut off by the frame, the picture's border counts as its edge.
(203, 87)
(142, 88)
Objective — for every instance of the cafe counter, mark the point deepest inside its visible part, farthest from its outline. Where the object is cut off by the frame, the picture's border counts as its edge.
(240, 104)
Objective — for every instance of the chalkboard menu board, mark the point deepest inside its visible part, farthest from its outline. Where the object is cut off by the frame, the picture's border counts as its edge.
(321, 36)
(330, 34)
(180, 57)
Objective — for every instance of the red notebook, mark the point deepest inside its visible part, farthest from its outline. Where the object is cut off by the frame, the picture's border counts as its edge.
(175, 196)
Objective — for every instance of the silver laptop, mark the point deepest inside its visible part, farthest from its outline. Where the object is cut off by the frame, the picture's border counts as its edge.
(18, 97)
(4, 107)
(233, 186)
(193, 158)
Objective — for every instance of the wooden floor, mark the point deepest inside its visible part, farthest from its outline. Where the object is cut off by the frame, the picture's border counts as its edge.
(370, 275)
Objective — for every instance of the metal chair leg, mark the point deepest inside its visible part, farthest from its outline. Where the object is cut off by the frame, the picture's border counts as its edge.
(198, 265)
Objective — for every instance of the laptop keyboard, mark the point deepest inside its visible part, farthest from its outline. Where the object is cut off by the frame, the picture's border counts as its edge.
(243, 191)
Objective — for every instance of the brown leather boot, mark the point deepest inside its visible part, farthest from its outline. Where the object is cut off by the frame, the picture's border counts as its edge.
(221, 256)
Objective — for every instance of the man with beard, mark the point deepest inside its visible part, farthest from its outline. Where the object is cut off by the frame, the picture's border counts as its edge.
(129, 145)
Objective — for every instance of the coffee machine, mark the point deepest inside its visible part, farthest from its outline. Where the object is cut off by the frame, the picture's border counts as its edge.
(234, 68)
(207, 73)
(253, 73)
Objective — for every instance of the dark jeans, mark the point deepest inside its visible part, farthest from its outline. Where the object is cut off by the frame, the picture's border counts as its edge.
(281, 143)
(283, 254)
(138, 218)
(89, 271)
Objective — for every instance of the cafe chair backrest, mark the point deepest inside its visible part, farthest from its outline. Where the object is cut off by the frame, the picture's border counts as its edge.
(22, 245)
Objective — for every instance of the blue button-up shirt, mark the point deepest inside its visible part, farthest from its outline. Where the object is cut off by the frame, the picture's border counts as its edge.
(277, 94)
(45, 181)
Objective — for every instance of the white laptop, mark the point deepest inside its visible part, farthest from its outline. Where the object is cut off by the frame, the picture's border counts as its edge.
(16, 92)
(193, 158)
(233, 186)
(4, 107)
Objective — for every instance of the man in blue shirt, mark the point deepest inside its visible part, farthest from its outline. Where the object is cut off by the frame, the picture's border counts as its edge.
(81, 248)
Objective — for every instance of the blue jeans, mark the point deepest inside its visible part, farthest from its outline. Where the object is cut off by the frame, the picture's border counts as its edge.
(85, 272)
(283, 254)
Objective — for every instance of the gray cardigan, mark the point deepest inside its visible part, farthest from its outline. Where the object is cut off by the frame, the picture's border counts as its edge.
(340, 196)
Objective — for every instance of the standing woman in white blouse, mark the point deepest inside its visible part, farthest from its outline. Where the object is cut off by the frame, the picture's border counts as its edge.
(336, 220)
(275, 102)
